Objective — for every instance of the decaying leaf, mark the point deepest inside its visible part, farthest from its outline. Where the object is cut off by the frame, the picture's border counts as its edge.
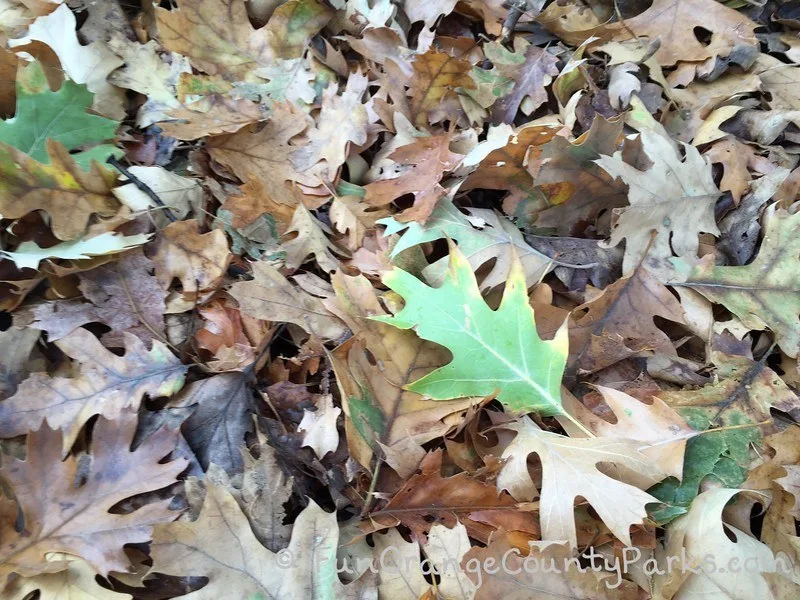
(105, 384)
(60, 516)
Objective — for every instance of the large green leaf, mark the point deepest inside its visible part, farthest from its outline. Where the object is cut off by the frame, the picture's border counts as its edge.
(43, 114)
(494, 351)
(765, 293)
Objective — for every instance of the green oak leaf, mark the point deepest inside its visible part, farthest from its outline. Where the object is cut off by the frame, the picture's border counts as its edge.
(494, 351)
(765, 293)
(43, 114)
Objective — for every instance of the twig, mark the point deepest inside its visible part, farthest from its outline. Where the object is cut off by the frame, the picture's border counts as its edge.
(143, 187)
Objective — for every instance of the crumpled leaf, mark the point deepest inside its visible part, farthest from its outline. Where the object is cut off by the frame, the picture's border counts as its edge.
(197, 259)
(230, 46)
(105, 384)
(493, 351)
(436, 77)
(272, 298)
(67, 193)
(311, 240)
(764, 293)
(530, 72)
(343, 121)
(61, 516)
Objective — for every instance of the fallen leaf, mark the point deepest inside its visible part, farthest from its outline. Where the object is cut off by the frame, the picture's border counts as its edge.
(309, 241)
(474, 334)
(762, 294)
(28, 255)
(436, 77)
(271, 297)
(105, 384)
(197, 259)
(530, 76)
(61, 516)
(319, 427)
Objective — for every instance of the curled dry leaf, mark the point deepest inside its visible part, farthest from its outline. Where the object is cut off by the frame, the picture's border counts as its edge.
(197, 259)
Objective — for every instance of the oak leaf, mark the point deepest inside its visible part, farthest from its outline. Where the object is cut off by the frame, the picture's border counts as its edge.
(310, 240)
(197, 259)
(482, 236)
(427, 498)
(673, 23)
(578, 189)
(531, 74)
(61, 516)
(618, 323)
(123, 295)
(764, 293)
(272, 298)
(265, 155)
(211, 115)
(372, 369)
(494, 352)
(436, 77)
(675, 197)
(619, 504)
(319, 427)
(28, 255)
(105, 385)
(221, 40)
(417, 169)
(61, 114)
(221, 546)
(66, 192)
(343, 120)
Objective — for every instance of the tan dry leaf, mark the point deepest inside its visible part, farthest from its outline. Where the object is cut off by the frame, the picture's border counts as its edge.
(180, 194)
(673, 22)
(61, 516)
(556, 576)
(198, 260)
(319, 427)
(254, 201)
(270, 297)
(76, 582)
(311, 240)
(265, 155)
(105, 385)
(418, 169)
(349, 214)
(569, 471)
(674, 197)
(211, 115)
(343, 120)
(219, 39)
(702, 533)
(90, 65)
(427, 498)
(436, 77)
(221, 546)
(66, 192)
(8, 76)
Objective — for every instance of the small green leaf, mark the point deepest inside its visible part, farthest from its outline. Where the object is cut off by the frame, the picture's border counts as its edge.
(493, 351)
(43, 114)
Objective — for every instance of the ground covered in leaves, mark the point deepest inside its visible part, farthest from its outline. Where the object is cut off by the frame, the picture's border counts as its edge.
(399, 299)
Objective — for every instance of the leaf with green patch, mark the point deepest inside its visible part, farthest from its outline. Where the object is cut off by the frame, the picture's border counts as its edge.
(494, 352)
(764, 293)
(43, 114)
